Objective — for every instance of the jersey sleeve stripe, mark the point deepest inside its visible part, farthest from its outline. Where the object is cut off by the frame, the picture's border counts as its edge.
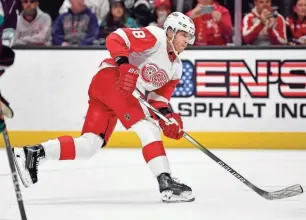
(124, 36)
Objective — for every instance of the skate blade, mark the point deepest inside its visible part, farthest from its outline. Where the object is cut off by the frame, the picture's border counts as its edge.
(169, 197)
(24, 175)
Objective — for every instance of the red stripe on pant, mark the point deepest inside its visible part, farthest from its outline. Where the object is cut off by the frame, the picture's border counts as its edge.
(152, 150)
(67, 148)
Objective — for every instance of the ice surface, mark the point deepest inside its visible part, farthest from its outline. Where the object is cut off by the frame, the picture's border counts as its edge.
(117, 184)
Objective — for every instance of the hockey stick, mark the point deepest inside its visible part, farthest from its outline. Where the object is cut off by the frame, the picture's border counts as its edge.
(13, 169)
(280, 194)
(8, 112)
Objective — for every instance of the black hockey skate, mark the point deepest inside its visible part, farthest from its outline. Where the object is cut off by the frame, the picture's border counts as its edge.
(28, 160)
(172, 190)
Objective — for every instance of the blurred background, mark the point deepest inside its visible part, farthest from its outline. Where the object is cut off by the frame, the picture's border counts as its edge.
(218, 22)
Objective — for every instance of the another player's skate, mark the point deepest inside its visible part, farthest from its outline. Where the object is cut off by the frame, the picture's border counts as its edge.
(27, 161)
(172, 190)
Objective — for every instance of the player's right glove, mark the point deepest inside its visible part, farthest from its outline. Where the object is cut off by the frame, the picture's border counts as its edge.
(174, 128)
(128, 79)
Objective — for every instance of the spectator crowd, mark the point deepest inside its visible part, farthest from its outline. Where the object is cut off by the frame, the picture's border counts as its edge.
(89, 22)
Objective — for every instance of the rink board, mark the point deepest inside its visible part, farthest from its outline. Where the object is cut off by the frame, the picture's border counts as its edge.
(233, 98)
(218, 140)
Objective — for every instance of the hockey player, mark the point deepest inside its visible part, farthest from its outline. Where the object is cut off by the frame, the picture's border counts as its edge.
(145, 59)
(8, 21)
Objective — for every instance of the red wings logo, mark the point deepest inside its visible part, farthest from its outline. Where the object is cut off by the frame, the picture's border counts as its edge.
(152, 74)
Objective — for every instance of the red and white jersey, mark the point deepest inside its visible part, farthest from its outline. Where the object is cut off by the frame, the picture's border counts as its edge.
(146, 48)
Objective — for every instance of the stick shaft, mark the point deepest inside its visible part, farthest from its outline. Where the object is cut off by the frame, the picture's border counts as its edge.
(259, 191)
(10, 157)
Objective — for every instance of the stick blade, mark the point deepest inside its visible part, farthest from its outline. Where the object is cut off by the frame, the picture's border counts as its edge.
(290, 191)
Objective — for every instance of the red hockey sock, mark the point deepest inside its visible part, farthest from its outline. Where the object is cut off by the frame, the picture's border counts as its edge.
(155, 156)
(67, 148)
(153, 150)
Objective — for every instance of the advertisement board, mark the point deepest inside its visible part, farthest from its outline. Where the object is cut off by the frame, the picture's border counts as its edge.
(227, 98)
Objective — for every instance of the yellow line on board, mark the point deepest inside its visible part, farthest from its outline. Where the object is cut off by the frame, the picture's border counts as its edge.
(226, 140)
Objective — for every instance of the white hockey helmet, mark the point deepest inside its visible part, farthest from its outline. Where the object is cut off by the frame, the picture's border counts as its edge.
(177, 21)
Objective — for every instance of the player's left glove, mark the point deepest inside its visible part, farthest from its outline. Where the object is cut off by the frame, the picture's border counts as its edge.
(174, 128)
(7, 111)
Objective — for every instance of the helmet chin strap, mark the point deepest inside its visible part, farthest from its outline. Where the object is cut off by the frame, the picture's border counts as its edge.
(172, 45)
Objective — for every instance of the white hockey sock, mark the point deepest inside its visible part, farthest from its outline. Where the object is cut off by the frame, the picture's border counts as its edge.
(69, 148)
(153, 149)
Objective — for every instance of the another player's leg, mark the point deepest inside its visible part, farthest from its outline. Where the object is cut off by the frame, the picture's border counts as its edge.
(171, 189)
(99, 124)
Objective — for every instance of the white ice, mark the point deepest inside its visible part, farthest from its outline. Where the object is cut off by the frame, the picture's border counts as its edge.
(117, 184)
